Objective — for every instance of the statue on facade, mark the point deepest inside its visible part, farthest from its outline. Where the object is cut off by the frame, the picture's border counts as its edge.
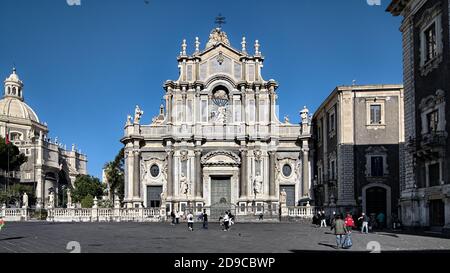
(221, 114)
(25, 200)
(51, 200)
(217, 36)
(283, 197)
(258, 184)
(184, 185)
(286, 120)
(137, 114)
(129, 122)
(69, 198)
(145, 170)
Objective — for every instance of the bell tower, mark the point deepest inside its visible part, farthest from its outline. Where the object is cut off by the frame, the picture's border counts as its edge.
(14, 86)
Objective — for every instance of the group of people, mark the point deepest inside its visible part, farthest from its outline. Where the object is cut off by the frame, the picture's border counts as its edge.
(365, 222)
(226, 219)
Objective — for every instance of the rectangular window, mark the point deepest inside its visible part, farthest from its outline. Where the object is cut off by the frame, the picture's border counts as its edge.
(376, 166)
(251, 110)
(262, 111)
(430, 43)
(375, 114)
(189, 73)
(237, 111)
(204, 110)
(189, 111)
(179, 111)
(251, 72)
(433, 121)
(332, 122)
(434, 174)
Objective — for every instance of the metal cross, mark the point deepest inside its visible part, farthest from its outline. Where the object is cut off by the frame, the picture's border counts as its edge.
(220, 20)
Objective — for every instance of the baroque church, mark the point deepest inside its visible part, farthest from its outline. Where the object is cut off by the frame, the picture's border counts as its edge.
(218, 139)
(50, 167)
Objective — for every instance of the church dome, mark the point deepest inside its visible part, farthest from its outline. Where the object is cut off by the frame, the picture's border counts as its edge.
(13, 107)
(12, 104)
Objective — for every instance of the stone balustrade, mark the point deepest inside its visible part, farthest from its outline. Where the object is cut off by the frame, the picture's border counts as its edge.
(301, 212)
(104, 215)
(14, 214)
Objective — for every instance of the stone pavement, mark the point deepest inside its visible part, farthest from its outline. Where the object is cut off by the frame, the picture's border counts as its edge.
(43, 237)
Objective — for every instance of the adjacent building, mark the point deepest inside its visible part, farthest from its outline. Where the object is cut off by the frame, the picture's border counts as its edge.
(425, 190)
(218, 140)
(49, 167)
(358, 138)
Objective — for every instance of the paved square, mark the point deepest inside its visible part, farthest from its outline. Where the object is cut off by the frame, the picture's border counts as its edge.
(163, 238)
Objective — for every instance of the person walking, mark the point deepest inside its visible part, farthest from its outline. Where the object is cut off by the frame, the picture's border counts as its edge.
(190, 220)
(365, 223)
(177, 217)
(172, 215)
(323, 220)
(226, 221)
(2, 223)
(205, 219)
(340, 230)
(349, 224)
(332, 219)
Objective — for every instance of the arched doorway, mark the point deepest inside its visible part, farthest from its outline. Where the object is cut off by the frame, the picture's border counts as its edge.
(376, 199)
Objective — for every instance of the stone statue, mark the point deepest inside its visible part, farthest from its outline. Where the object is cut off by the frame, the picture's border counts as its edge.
(258, 184)
(137, 114)
(286, 119)
(25, 200)
(184, 186)
(51, 200)
(221, 115)
(69, 199)
(283, 197)
(129, 120)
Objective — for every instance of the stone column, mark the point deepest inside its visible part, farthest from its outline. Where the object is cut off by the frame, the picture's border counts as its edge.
(169, 173)
(243, 104)
(305, 174)
(136, 176)
(198, 174)
(243, 182)
(257, 105)
(272, 174)
(169, 107)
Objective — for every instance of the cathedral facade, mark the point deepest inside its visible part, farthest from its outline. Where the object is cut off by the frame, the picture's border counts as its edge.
(50, 167)
(218, 139)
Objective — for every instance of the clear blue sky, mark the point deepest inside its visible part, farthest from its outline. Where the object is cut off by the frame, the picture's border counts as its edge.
(86, 67)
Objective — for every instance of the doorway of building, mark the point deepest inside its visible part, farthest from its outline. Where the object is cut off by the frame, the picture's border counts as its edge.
(154, 196)
(220, 196)
(290, 194)
(376, 202)
(437, 216)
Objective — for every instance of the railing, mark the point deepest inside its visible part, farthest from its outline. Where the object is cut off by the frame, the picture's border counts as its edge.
(104, 215)
(14, 214)
(301, 212)
(220, 131)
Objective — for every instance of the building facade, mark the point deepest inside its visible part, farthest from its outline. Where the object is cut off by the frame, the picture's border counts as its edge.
(425, 192)
(358, 135)
(218, 139)
(49, 165)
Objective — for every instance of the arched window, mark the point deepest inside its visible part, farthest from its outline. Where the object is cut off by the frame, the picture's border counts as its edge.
(9, 90)
(14, 91)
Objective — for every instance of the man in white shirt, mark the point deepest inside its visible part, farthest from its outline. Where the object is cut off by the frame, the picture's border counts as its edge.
(226, 221)
(190, 219)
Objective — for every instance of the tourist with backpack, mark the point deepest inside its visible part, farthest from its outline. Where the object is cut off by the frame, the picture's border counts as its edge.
(349, 224)
(340, 230)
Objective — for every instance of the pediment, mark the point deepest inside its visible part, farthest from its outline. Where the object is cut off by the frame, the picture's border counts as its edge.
(221, 158)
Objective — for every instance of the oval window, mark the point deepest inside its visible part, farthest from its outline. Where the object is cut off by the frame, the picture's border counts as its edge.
(154, 170)
(287, 170)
